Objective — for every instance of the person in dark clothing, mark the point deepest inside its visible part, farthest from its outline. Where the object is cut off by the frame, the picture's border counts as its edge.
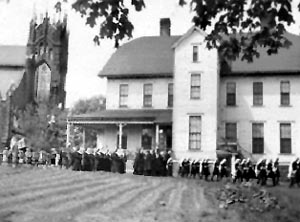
(122, 163)
(270, 172)
(251, 171)
(294, 172)
(195, 168)
(97, 160)
(101, 164)
(138, 166)
(216, 171)
(76, 158)
(276, 171)
(85, 162)
(261, 172)
(223, 169)
(170, 167)
(185, 168)
(205, 166)
(148, 164)
(114, 162)
(155, 164)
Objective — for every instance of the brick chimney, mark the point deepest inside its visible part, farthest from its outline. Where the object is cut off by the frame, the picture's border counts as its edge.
(165, 27)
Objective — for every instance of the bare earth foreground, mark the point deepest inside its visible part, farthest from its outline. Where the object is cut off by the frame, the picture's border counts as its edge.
(62, 195)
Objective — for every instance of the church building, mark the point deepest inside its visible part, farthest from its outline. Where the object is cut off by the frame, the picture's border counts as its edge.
(172, 93)
(33, 73)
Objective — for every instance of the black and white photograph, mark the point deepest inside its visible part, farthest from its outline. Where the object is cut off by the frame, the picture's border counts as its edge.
(149, 110)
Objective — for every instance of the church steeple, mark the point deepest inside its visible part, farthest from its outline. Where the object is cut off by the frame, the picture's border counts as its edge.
(48, 44)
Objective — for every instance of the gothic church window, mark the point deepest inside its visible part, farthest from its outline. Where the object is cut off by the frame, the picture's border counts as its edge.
(41, 49)
(42, 82)
(50, 54)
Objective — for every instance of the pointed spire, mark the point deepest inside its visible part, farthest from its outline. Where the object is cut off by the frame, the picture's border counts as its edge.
(34, 16)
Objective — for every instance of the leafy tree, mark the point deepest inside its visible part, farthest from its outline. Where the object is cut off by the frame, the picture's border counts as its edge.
(90, 105)
(83, 106)
(262, 22)
(44, 127)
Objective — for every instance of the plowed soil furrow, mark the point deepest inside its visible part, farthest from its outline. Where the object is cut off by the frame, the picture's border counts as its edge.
(36, 176)
(63, 180)
(188, 200)
(78, 193)
(146, 200)
(28, 197)
(195, 197)
(176, 197)
(128, 197)
(97, 200)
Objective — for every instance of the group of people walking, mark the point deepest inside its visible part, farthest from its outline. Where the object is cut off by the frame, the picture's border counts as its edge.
(96, 160)
(153, 163)
(78, 160)
(243, 170)
(26, 156)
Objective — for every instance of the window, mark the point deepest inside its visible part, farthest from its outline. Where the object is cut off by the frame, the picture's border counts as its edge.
(231, 132)
(195, 133)
(146, 139)
(258, 138)
(195, 53)
(285, 93)
(123, 95)
(123, 142)
(195, 86)
(42, 83)
(231, 94)
(41, 49)
(285, 138)
(147, 95)
(257, 94)
(50, 54)
(170, 95)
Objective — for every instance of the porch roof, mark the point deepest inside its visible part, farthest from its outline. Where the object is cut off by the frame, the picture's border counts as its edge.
(134, 116)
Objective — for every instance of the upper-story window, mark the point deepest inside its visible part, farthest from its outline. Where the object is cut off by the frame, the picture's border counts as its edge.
(231, 94)
(170, 95)
(147, 95)
(285, 93)
(195, 53)
(195, 86)
(123, 100)
(257, 94)
(231, 132)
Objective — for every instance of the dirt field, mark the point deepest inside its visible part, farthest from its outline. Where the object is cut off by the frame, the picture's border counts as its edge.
(62, 195)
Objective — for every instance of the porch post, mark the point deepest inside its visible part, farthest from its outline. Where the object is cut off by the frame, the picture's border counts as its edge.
(83, 137)
(156, 136)
(120, 135)
(233, 164)
(68, 134)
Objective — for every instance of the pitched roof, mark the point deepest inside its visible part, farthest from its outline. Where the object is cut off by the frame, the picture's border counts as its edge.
(287, 61)
(12, 55)
(142, 56)
(9, 77)
(130, 115)
(153, 56)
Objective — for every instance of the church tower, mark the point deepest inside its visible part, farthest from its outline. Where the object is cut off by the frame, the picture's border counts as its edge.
(47, 60)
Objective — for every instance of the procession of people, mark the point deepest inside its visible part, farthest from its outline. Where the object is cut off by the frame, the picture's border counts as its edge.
(244, 170)
(78, 159)
(153, 163)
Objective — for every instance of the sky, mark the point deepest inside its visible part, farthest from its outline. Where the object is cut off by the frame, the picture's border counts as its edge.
(85, 58)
